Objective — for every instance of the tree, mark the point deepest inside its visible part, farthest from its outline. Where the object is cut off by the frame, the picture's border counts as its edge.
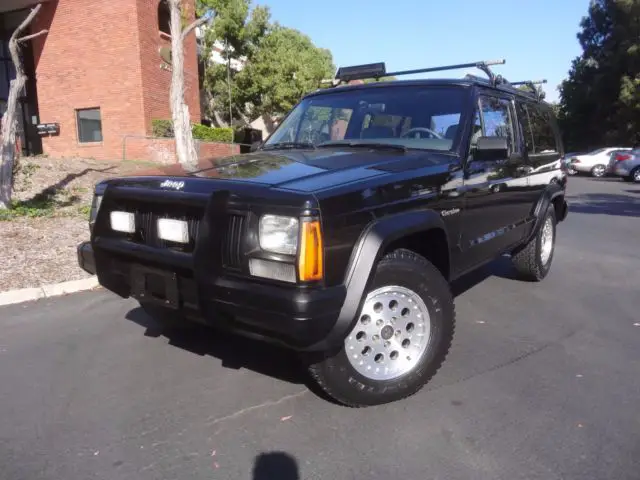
(239, 30)
(279, 65)
(8, 147)
(287, 66)
(185, 146)
(600, 100)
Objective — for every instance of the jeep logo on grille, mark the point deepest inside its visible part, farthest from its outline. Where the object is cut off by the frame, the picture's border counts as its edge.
(172, 184)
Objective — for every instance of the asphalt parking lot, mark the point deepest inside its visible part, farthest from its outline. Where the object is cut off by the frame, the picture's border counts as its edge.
(543, 381)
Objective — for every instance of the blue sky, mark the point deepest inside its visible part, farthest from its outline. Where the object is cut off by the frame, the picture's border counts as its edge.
(537, 38)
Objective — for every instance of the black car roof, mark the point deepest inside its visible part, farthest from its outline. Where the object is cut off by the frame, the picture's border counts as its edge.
(431, 82)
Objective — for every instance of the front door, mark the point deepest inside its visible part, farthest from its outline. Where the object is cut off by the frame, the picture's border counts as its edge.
(496, 204)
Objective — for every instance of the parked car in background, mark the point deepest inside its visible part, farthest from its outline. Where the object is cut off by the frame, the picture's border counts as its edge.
(566, 160)
(627, 165)
(596, 162)
(616, 156)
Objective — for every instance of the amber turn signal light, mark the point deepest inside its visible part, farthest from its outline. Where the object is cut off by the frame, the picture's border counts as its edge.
(310, 261)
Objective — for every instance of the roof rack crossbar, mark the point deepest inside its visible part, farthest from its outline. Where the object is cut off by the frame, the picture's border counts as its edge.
(378, 70)
(539, 94)
(482, 65)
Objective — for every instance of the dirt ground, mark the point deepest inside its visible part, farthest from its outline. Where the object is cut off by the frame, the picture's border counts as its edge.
(39, 245)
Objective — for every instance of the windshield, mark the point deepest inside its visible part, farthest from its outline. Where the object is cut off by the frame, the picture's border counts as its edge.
(422, 117)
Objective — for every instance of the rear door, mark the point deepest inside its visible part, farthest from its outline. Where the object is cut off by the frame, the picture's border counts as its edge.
(542, 147)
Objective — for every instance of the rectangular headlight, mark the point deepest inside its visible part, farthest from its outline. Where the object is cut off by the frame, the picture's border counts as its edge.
(173, 230)
(123, 222)
(279, 234)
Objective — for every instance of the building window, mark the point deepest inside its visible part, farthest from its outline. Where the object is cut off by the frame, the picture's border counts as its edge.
(164, 17)
(89, 125)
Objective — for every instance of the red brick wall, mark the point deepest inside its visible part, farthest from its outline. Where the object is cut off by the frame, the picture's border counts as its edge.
(104, 54)
(156, 80)
(163, 150)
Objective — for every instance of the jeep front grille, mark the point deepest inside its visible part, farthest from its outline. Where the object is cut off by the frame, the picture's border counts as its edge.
(232, 243)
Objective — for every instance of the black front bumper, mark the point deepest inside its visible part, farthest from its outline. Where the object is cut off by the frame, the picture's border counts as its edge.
(86, 259)
(296, 317)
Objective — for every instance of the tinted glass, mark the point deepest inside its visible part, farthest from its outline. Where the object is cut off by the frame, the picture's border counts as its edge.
(539, 134)
(422, 117)
(89, 125)
(496, 119)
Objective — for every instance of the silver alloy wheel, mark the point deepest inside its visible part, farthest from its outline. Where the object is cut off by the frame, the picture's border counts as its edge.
(546, 241)
(392, 334)
(598, 171)
(636, 175)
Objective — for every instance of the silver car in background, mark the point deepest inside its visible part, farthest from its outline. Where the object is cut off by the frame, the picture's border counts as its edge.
(626, 165)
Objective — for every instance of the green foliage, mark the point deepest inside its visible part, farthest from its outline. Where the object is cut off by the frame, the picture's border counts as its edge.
(162, 128)
(84, 210)
(211, 134)
(382, 79)
(276, 80)
(45, 204)
(600, 100)
(273, 78)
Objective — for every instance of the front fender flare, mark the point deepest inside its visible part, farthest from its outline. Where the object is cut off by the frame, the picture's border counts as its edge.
(368, 251)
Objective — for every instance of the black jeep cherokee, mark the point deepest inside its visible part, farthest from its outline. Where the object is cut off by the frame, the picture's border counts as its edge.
(339, 236)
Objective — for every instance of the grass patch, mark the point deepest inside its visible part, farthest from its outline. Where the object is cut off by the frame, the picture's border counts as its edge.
(49, 203)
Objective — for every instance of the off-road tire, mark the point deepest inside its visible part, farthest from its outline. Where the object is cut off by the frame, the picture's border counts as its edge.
(166, 318)
(528, 260)
(338, 378)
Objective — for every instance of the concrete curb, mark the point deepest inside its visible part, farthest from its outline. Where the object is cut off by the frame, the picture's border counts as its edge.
(47, 291)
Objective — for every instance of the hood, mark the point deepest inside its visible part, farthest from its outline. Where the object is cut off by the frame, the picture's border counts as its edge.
(305, 170)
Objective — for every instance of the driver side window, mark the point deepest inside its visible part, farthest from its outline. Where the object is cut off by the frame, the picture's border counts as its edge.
(496, 119)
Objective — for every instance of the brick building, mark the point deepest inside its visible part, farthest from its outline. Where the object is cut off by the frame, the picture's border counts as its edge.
(100, 74)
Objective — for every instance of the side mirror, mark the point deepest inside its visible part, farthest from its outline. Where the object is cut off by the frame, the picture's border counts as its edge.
(491, 149)
(255, 146)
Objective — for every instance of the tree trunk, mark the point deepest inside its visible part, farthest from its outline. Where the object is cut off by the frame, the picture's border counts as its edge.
(185, 146)
(8, 146)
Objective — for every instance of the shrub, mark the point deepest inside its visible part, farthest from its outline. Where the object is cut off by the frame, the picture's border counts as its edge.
(162, 128)
(211, 134)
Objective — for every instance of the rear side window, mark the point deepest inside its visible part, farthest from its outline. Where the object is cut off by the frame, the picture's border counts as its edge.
(538, 132)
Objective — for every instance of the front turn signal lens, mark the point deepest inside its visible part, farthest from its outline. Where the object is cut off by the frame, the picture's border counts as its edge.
(310, 261)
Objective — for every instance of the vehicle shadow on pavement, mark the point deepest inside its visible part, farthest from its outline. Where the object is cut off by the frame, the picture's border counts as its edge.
(234, 351)
(501, 267)
(605, 204)
(275, 465)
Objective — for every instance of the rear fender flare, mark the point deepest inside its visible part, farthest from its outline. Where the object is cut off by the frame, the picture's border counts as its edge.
(547, 198)
(378, 235)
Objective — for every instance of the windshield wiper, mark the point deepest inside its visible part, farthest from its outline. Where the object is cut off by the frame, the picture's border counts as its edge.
(374, 145)
(284, 145)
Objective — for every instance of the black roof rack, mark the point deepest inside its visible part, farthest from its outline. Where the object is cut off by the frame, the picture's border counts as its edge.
(379, 70)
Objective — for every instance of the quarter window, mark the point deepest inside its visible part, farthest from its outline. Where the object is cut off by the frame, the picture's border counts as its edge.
(538, 131)
(89, 123)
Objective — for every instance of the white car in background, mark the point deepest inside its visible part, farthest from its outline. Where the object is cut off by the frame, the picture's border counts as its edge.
(596, 162)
